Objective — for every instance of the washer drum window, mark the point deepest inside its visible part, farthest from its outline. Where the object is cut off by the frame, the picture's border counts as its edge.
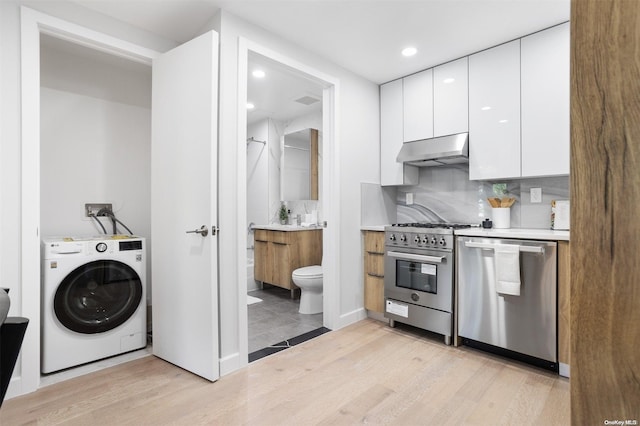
(98, 296)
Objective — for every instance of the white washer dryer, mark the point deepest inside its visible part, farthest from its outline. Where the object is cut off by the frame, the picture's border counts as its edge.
(93, 299)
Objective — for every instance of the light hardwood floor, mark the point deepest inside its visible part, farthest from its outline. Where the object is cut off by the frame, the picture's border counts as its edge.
(364, 373)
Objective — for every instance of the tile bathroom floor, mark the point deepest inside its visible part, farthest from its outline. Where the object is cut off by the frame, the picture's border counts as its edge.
(276, 318)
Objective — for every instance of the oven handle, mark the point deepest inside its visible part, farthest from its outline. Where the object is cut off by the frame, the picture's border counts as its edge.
(528, 249)
(418, 257)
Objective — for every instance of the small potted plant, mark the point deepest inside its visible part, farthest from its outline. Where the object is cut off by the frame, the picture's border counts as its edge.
(283, 214)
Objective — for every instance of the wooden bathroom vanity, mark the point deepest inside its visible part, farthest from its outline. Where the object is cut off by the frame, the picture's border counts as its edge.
(278, 252)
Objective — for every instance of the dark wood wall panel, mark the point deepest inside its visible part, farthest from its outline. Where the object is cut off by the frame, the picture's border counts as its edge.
(605, 211)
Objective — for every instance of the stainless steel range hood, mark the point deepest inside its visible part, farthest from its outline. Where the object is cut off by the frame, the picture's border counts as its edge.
(452, 149)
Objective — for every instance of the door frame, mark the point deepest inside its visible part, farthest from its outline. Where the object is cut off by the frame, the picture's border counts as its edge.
(331, 185)
(33, 24)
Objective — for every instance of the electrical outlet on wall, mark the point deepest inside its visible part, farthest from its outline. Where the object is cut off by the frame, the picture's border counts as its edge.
(94, 208)
(409, 198)
(536, 195)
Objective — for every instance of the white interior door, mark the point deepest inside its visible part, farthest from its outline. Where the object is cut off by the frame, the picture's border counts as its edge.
(184, 198)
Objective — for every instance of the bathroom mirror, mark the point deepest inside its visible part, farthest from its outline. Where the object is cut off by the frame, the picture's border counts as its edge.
(300, 166)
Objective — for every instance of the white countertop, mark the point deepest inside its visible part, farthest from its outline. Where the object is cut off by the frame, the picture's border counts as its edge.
(372, 228)
(278, 227)
(530, 234)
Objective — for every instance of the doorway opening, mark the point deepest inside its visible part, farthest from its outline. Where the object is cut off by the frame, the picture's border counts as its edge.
(95, 146)
(284, 109)
(299, 100)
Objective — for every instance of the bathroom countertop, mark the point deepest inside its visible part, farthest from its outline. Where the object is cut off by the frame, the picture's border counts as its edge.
(288, 228)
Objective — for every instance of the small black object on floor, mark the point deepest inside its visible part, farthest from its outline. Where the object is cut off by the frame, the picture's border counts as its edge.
(253, 356)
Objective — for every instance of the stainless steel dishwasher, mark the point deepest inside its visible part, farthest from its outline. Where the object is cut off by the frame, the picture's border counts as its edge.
(521, 326)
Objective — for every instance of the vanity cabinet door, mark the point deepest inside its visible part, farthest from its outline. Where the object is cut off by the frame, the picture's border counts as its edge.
(282, 264)
(261, 269)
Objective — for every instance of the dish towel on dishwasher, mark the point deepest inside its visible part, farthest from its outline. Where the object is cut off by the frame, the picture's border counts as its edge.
(507, 269)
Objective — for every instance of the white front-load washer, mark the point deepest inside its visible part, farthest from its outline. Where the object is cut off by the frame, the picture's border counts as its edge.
(93, 299)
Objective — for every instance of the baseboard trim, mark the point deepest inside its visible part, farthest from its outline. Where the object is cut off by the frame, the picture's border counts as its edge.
(231, 363)
(378, 316)
(351, 318)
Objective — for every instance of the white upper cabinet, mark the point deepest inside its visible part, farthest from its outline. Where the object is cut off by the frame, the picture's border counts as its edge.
(391, 137)
(451, 98)
(494, 113)
(418, 106)
(545, 102)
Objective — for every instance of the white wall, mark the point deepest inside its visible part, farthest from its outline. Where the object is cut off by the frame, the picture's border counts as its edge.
(258, 174)
(358, 159)
(95, 143)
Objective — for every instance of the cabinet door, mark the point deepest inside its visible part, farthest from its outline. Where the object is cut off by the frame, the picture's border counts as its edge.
(374, 271)
(494, 113)
(282, 264)
(417, 101)
(261, 262)
(545, 102)
(392, 172)
(451, 98)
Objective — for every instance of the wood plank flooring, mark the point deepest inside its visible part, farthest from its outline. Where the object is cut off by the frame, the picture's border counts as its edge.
(364, 373)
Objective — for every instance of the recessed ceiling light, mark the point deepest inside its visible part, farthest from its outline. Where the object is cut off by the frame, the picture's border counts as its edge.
(448, 80)
(409, 51)
(503, 121)
(250, 105)
(258, 74)
(485, 108)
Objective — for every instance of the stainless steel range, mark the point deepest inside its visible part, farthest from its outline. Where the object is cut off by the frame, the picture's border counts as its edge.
(419, 275)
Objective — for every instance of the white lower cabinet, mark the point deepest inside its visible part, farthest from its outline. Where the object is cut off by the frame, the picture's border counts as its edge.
(494, 113)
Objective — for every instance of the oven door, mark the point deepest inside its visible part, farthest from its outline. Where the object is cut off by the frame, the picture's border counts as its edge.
(420, 277)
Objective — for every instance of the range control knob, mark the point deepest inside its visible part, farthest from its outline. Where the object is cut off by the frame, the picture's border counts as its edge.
(416, 239)
(442, 242)
(392, 237)
(425, 240)
(403, 238)
(433, 240)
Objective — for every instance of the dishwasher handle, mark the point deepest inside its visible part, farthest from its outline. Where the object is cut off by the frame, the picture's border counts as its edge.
(525, 249)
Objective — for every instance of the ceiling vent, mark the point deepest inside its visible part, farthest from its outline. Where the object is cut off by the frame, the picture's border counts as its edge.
(307, 100)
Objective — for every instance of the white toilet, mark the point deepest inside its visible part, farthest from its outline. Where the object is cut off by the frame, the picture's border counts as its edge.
(309, 279)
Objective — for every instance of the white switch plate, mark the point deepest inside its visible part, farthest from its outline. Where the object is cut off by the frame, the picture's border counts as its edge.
(536, 195)
(409, 198)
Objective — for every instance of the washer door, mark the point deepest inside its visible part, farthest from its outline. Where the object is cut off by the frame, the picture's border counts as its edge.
(98, 296)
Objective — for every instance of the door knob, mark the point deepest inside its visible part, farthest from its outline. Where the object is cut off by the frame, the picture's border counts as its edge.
(204, 231)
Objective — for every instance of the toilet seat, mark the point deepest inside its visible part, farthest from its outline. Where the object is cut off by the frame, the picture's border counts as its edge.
(314, 271)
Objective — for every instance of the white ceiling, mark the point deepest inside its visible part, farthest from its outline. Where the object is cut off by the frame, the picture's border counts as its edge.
(275, 95)
(364, 36)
